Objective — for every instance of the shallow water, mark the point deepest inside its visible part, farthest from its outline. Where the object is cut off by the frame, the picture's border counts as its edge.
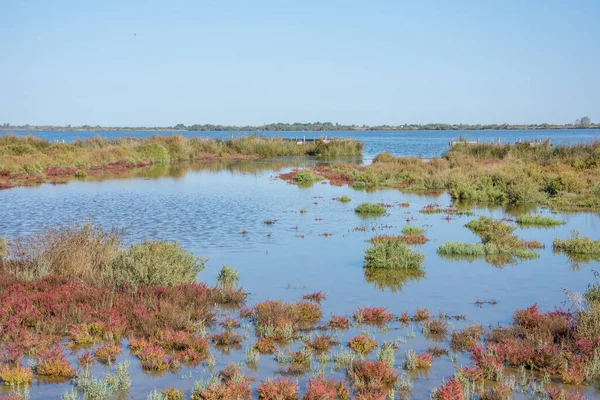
(400, 143)
(207, 208)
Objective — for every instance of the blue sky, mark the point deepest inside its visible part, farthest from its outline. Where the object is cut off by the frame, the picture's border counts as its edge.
(150, 63)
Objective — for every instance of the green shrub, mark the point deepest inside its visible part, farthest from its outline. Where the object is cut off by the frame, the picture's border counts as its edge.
(81, 174)
(392, 254)
(539, 220)
(228, 276)
(412, 230)
(358, 185)
(33, 169)
(157, 262)
(577, 245)
(370, 208)
(462, 249)
(154, 152)
(345, 199)
(305, 177)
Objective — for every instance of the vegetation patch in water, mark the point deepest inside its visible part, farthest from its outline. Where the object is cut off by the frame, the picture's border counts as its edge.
(390, 253)
(538, 220)
(564, 177)
(576, 244)
(412, 230)
(370, 209)
(498, 244)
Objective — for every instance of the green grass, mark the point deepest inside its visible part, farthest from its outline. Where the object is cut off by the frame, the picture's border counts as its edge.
(392, 254)
(577, 245)
(412, 230)
(463, 249)
(306, 178)
(87, 253)
(345, 199)
(370, 209)
(538, 220)
(32, 155)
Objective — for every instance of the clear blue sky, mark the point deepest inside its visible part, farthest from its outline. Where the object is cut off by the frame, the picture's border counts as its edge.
(147, 63)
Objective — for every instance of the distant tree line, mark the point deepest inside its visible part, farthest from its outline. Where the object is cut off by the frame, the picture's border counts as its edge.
(581, 123)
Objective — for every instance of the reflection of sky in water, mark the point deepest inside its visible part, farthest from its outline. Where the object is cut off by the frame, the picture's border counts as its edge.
(206, 211)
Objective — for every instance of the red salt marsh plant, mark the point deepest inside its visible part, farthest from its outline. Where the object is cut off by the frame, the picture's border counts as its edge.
(317, 297)
(227, 338)
(278, 389)
(423, 360)
(154, 358)
(338, 322)
(86, 359)
(326, 389)
(373, 316)
(372, 379)
(107, 352)
(404, 318)
(230, 384)
(321, 343)
(53, 363)
(16, 375)
(362, 344)
(435, 327)
(421, 315)
(265, 346)
(466, 338)
(451, 390)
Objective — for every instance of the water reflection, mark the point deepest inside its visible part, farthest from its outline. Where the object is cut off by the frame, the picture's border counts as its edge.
(392, 280)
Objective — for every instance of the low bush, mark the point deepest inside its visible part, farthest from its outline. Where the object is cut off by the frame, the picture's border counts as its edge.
(538, 220)
(345, 199)
(155, 263)
(278, 389)
(370, 209)
(306, 178)
(577, 245)
(412, 230)
(392, 254)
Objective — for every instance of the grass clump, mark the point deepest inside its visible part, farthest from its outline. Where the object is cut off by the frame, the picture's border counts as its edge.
(88, 253)
(228, 276)
(392, 254)
(345, 199)
(577, 245)
(412, 230)
(306, 178)
(156, 263)
(498, 244)
(370, 209)
(538, 220)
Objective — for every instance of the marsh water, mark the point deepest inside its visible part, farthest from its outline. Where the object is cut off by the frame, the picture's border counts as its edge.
(206, 207)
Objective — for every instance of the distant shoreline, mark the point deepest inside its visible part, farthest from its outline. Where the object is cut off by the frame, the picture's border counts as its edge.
(305, 128)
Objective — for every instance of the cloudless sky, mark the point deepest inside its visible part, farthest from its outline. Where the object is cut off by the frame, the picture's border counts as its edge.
(160, 63)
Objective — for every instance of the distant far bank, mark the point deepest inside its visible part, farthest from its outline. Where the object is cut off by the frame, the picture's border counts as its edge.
(583, 123)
